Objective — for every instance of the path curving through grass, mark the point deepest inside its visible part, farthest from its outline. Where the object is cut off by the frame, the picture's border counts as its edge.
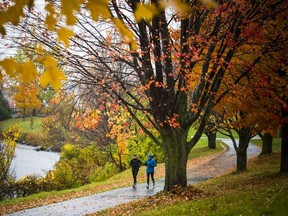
(203, 169)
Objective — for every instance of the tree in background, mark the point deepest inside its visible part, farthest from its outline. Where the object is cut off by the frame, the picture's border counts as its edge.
(250, 109)
(26, 98)
(5, 110)
(115, 133)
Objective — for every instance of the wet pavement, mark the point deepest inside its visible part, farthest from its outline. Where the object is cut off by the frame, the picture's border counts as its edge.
(218, 165)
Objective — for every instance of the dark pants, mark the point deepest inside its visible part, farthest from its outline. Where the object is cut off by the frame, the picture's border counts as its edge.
(152, 177)
(135, 173)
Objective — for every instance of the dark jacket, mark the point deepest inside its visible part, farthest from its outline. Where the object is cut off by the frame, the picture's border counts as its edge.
(135, 163)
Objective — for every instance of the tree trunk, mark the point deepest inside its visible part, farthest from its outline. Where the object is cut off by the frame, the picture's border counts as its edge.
(176, 155)
(242, 160)
(211, 139)
(24, 113)
(244, 139)
(267, 141)
(284, 145)
(34, 112)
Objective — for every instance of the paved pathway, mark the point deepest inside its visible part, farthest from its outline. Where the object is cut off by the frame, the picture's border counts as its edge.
(89, 204)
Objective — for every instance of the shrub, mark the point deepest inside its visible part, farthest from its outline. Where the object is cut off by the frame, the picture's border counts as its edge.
(26, 186)
(77, 165)
(34, 138)
(105, 172)
(7, 150)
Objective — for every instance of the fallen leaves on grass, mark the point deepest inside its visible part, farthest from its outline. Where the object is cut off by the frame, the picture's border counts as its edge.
(176, 195)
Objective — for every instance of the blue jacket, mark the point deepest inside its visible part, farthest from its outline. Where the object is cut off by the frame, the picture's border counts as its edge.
(150, 163)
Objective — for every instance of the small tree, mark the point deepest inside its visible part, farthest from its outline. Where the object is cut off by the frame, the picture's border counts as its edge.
(7, 150)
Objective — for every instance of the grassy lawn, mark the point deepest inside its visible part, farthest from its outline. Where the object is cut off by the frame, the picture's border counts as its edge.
(192, 131)
(261, 190)
(276, 147)
(201, 149)
(25, 125)
(119, 180)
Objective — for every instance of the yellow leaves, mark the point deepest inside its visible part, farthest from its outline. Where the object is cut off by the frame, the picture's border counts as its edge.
(13, 133)
(68, 8)
(13, 13)
(64, 34)
(98, 8)
(25, 72)
(210, 3)
(52, 74)
(145, 11)
(9, 66)
(126, 33)
(26, 96)
(51, 17)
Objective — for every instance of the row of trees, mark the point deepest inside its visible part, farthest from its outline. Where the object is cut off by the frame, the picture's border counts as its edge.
(171, 66)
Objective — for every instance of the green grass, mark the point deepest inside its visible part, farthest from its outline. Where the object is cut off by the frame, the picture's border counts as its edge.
(266, 201)
(192, 131)
(276, 147)
(261, 190)
(201, 149)
(25, 125)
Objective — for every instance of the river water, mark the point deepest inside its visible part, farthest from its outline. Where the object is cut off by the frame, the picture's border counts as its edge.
(27, 161)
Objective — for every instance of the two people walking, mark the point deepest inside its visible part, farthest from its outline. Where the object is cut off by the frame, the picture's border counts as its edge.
(150, 164)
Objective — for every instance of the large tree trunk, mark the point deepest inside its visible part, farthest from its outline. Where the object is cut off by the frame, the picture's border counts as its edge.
(211, 139)
(176, 155)
(244, 139)
(267, 141)
(242, 160)
(284, 145)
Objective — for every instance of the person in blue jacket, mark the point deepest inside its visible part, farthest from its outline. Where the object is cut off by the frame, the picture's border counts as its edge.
(150, 163)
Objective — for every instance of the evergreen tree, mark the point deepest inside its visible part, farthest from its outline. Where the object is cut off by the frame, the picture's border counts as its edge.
(5, 110)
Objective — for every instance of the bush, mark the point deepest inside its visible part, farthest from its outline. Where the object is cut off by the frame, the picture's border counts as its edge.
(54, 133)
(26, 186)
(7, 150)
(34, 138)
(77, 165)
(143, 146)
(105, 172)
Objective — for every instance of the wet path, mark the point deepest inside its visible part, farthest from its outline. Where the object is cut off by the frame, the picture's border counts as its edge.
(216, 166)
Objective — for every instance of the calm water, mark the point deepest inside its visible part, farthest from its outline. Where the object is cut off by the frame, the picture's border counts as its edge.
(27, 161)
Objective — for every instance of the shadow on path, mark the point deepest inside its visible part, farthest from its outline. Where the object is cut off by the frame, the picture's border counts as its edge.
(218, 165)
